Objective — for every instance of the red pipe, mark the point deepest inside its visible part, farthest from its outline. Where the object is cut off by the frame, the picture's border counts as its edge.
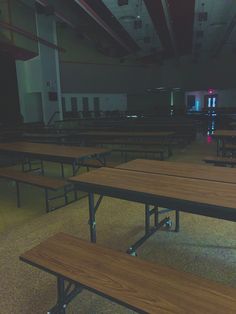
(30, 35)
(97, 18)
(59, 15)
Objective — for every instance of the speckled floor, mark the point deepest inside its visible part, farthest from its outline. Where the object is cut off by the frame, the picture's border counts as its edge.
(204, 246)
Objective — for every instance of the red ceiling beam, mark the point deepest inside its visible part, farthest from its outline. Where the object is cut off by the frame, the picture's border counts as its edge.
(29, 35)
(182, 15)
(84, 5)
(58, 14)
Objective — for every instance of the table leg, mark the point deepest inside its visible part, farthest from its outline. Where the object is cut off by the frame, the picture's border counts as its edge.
(92, 221)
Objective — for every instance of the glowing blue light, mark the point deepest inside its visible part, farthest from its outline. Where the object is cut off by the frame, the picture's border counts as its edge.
(197, 105)
(209, 102)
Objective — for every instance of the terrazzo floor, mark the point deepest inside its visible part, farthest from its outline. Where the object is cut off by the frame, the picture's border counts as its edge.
(204, 246)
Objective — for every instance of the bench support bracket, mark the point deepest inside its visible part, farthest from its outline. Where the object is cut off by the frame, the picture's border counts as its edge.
(64, 295)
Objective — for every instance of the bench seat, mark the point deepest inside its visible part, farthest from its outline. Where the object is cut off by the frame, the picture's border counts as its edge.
(145, 151)
(229, 147)
(44, 182)
(93, 163)
(220, 161)
(137, 284)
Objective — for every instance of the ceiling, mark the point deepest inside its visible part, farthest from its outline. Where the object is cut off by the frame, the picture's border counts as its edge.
(150, 30)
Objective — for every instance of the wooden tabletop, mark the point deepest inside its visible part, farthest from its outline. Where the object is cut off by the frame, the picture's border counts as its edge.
(46, 135)
(203, 197)
(224, 133)
(128, 134)
(142, 285)
(182, 169)
(53, 150)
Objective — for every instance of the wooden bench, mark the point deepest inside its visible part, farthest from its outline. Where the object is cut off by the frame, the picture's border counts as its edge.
(137, 284)
(145, 151)
(94, 163)
(220, 161)
(231, 148)
(164, 145)
(40, 181)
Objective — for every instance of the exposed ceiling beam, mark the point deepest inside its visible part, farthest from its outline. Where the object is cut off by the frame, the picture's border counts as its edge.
(63, 13)
(169, 24)
(84, 5)
(225, 38)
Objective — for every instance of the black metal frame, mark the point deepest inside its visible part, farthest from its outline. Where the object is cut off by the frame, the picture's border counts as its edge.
(149, 231)
(67, 189)
(76, 163)
(65, 294)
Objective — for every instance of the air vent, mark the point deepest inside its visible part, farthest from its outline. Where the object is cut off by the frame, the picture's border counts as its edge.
(122, 2)
(202, 16)
(138, 24)
(199, 34)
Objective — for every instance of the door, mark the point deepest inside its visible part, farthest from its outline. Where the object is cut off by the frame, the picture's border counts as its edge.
(211, 104)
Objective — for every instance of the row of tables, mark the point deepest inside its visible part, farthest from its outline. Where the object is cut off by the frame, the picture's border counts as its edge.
(196, 189)
(192, 188)
(73, 155)
(221, 137)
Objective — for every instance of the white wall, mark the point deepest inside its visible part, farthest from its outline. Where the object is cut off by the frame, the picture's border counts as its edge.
(29, 89)
(39, 76)
(49, 63)
(107, 101)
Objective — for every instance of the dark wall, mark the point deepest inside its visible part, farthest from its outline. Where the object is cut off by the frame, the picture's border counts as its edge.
(156, 103)
(179, 103)
(9, 100)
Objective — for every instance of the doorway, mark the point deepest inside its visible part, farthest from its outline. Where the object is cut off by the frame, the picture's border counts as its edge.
(211, 104)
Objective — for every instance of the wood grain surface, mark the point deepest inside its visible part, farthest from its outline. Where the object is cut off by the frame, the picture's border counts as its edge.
(182, 169)
(224, 133)
(128, 134)
(52, 150)
(168, 191)
(143, 285)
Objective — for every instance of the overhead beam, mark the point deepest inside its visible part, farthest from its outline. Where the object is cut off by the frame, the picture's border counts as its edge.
(62, 12)
(225, 38)
(29, 35)
(84, 5)
(169, 25)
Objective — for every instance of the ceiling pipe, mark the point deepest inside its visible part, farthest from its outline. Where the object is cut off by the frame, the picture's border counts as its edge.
(166, 10)
(226, 36)
(97, 18)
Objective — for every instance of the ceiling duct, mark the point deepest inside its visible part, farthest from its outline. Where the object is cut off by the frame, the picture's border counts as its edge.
(138, 24)
(202, 16)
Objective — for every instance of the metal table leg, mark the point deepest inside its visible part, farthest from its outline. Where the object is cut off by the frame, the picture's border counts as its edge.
(92, 221)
